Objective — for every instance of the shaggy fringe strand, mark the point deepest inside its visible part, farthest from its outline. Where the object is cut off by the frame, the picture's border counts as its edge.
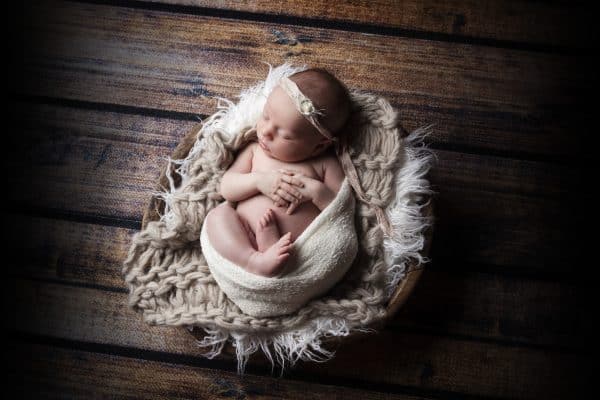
(300, 344)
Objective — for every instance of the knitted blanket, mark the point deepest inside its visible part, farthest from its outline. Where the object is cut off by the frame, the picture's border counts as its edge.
(170, 282)
(321, 255)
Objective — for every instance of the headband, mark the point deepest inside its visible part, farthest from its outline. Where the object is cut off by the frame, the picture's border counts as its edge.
(306, 107)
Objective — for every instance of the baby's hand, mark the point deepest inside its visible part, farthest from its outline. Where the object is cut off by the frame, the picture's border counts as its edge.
(310, 190)
(280, 187)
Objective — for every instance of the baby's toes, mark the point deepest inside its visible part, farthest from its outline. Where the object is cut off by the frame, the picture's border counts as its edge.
(283, 257)
(268, 217)
(284, 240)
(285, 249)
(272, 215)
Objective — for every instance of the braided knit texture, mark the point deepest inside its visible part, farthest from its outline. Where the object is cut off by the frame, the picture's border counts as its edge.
(166, 272)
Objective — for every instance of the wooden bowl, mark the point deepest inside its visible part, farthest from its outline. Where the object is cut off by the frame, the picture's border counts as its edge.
(404, 289)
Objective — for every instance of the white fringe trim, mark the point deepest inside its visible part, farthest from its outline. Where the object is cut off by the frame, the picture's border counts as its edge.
(405, 214)
(300, 344)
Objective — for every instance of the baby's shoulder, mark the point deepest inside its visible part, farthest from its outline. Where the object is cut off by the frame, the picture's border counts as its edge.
(248, 150)
(244, 159)
(251, 146)
(330, 169)
(327, 161)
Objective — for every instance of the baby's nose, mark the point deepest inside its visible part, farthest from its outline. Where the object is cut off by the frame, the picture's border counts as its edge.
(268, 133)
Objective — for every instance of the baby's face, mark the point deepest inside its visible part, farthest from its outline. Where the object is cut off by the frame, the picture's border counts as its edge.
(283, 133)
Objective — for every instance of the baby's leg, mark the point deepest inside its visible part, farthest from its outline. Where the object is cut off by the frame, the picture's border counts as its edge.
(229, 238)
(250, 233)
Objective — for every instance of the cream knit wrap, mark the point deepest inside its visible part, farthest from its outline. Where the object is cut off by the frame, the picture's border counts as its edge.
(167, 274)
(321, 255)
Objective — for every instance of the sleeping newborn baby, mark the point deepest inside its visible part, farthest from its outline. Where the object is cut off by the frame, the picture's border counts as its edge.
(284, 180)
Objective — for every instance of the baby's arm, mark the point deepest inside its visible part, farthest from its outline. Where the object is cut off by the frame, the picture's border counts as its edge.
(333, 176)
(320, 193)
(238, 182)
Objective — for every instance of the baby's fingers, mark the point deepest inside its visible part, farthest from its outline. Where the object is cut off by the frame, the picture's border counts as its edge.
(279, 202)
(291, 180)
(292, 207)
(286, 196)
(291, 190)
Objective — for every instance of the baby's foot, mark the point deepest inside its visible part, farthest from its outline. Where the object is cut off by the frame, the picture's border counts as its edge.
(269, 263)
(267, 232)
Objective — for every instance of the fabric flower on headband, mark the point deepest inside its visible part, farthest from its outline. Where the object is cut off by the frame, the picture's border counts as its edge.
(307, 107)
(304, 105)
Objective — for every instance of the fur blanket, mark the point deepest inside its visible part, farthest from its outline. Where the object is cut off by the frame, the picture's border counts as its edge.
(170, 282)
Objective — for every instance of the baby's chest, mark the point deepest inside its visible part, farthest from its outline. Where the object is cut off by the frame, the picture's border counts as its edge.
(268, 164)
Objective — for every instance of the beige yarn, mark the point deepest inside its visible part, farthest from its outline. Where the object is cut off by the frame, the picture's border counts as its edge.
(170, 283)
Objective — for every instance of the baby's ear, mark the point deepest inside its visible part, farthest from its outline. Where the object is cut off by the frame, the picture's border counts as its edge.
(322, 145)
(326, 141)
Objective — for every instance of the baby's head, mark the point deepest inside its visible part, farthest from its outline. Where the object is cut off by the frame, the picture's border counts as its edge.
(287, 135)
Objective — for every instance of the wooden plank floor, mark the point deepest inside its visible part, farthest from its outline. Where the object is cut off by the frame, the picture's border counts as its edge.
(102, 91)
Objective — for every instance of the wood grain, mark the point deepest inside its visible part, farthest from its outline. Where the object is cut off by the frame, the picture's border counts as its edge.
(489, 210)
(531, 22)
(107, 91)
(482, 98)
(429, 362)
(54, 372)
(478, 305)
